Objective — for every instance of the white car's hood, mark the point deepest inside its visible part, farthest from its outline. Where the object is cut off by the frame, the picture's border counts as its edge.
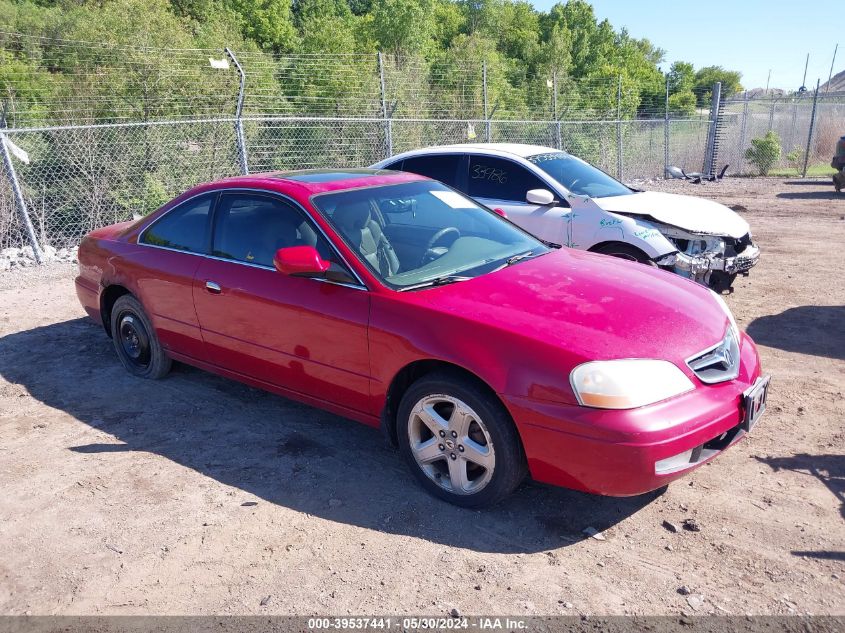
(689, 213)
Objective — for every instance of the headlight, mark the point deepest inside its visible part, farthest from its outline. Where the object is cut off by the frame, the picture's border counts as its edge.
(627, 383)
(727, 312)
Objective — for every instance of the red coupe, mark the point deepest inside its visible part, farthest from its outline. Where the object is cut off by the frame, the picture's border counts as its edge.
(396, 301)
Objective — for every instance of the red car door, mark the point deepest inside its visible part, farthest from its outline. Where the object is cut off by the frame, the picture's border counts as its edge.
(163, 265)
(305, 335)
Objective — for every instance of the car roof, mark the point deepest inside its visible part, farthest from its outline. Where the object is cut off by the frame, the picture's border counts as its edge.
(311, 181)
(522, 150)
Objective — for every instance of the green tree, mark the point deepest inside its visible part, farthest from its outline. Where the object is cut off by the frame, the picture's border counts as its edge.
(681, 77)
(519, 28)
(267, 22)
(682, 103)
(402, 27)
(709, 75)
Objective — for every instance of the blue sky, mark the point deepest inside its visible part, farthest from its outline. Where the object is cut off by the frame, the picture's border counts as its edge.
(751, 36)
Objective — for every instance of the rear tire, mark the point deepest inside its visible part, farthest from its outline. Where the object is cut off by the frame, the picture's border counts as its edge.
(135, 340)
(459, 441)
(625, 251)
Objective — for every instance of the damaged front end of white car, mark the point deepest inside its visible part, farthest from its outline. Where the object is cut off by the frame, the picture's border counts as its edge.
(712, 260)
(706, 241)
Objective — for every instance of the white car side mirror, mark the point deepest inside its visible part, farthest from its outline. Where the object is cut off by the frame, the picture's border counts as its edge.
(542, 197)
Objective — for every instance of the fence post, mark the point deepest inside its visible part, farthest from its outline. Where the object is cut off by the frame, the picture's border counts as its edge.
(619, 129)
(666, 132)
(239, 124)
(743, 132)
(812, 129)
(710, 153)
(388, 123)
(792, 124)
(16, 188)
(558, 139)
(488, 132)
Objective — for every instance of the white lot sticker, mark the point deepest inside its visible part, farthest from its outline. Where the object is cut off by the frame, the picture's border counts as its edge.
(222, 64)
(16, 151)
(453, 199)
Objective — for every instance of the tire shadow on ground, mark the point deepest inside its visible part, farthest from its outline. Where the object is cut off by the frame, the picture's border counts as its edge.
(816, 330)
(281, 451)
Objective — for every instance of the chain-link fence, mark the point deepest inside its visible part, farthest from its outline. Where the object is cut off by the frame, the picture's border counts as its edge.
(807, 126)
(113, 132)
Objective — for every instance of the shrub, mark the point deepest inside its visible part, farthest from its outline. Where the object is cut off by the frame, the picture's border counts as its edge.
(764, 152)
(795, 158)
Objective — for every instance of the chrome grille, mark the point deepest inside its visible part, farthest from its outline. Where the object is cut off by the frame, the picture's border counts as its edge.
(718, 363)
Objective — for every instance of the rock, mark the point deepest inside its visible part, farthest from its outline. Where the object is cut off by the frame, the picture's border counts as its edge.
(671, 527)
(477, 587)
(695, 602)
(455, 613)
(594, 533)
(249, 504)
(669, 547)
(691, 525)
(265, 601)
(684, 590)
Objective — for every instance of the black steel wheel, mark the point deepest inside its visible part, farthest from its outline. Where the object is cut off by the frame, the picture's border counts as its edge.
(135, 341)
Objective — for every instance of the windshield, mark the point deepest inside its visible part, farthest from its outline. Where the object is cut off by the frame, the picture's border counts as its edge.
(423, 233)
(579, 177)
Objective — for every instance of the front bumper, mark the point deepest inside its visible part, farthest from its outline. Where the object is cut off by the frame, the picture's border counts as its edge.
(625, 453)
(696, 265)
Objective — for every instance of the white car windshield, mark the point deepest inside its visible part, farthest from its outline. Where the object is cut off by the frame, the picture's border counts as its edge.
(579, 177)
(423, 233)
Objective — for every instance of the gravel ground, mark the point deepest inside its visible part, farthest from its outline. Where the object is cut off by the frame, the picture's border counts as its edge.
(197, 495)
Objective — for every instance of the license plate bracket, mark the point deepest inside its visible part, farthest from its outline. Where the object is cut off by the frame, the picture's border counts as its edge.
(754, 402)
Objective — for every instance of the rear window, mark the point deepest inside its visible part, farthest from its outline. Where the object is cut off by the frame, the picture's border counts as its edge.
(185, 228)
(443, 168)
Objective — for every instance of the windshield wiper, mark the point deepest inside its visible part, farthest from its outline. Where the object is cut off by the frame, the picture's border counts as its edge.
(437, 281)
(510, 261)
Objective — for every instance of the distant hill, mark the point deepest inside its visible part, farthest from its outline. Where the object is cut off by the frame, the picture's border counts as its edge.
(837, 83)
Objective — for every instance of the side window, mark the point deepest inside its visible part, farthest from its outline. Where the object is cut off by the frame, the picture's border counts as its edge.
(443, 168)
(251, 228)
(501, 179)
(185, 228)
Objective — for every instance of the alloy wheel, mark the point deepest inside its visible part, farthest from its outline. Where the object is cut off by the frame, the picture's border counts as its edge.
(451, 444)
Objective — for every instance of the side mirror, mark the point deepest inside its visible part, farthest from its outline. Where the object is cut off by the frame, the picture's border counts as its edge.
(300, 261)
(543, 197)
(501, 212)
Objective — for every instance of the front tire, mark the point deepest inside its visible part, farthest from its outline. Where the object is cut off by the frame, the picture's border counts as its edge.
(135, 340)
(459, 441)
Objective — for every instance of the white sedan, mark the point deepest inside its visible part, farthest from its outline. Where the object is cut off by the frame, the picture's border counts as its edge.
(562, 199)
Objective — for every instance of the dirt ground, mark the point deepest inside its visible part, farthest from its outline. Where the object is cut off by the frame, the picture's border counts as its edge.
(197, 495)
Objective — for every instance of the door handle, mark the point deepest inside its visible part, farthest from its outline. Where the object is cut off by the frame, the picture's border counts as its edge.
(212, 287)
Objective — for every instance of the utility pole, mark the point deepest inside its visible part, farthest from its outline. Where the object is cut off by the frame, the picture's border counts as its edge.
(803, 87)
(832, 62)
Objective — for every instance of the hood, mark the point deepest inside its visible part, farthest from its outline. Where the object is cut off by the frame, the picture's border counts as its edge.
(689, 213)
(589, 307)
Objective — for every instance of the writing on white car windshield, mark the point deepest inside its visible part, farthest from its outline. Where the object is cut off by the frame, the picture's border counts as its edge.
(579, 177)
